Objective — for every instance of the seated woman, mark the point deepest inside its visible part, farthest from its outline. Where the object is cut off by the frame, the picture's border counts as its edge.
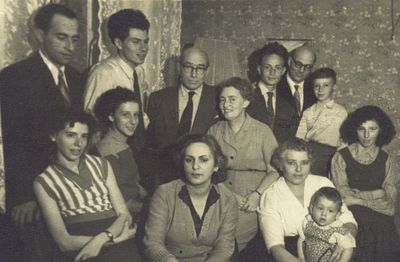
(249, 145)
(284, 205)
(80, 200)
(117, 110)
(193, 218)
(368, 179)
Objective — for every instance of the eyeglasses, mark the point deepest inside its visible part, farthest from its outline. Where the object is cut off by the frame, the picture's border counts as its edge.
(300, 65)
(189, 69)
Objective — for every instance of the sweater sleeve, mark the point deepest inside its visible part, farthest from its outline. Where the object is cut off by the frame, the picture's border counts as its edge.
(157, 226)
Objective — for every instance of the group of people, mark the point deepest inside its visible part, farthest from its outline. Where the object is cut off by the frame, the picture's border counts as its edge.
(273, 170)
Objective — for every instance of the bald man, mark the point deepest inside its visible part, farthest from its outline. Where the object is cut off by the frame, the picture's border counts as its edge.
(187, 108)
(295, 88)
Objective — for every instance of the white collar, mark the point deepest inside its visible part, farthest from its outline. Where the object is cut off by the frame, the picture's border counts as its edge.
(51, 66)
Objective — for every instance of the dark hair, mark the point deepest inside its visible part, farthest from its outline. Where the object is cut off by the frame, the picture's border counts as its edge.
(242, 85)
(109, 102)
(354, 120)
(329, 193)
(293, 143)
(219, 158)
(324, 72)
(46, 13)
(122, 21)
(63, 118)
(274, 48)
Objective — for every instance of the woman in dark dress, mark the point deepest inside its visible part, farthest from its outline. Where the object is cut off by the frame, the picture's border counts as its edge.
(117, 111)
(368, 179)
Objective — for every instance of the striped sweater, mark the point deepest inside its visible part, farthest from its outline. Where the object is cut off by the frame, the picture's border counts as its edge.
(80, 197)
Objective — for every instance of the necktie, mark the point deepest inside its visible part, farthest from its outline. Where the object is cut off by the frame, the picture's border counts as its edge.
(297, 99)
(138, 140)
(62, 86)
(270, 109)
(186, 118)
(136, 91)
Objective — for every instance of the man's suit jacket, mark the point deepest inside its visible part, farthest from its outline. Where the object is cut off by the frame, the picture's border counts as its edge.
(163, 112)
(29, 100)
(286, 120)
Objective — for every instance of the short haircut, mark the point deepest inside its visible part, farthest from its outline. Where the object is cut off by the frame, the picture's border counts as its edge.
(187, 47)
(219, 159)
(354, 120)
(329, 193)
(293, 143)
(274, 48)
(109, 102)
(63, 118)
(46, 13)
(324, 72)
(122, 21)
(244, 87)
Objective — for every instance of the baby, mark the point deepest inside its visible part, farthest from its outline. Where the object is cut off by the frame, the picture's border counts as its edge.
(321, 231)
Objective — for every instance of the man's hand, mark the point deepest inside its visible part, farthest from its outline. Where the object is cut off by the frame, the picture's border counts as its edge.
(25, 213)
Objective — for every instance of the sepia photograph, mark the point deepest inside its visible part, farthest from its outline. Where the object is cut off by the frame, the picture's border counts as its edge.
(199, 130)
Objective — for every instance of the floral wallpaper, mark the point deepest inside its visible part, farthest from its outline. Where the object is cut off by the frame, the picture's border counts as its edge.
(352, 37)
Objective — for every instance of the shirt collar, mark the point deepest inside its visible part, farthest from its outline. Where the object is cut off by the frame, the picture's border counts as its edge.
(264, 89)
(125, 67)
(213, 196)
(51, 66)
(293, 83)
(184, 91)
(328, 105)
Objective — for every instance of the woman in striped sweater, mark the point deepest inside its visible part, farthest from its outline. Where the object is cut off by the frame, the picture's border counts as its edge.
(79, 198)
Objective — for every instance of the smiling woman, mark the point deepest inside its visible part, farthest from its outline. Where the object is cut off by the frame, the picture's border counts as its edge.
(284, 205)
(80, 200)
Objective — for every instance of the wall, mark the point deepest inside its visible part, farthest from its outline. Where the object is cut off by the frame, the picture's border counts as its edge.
(352, 37)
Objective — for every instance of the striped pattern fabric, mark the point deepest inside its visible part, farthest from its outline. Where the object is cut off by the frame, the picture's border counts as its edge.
(73, 200)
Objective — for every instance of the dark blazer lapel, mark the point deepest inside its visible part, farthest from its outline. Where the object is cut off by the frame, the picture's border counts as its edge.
(172, 110)
(205, 109)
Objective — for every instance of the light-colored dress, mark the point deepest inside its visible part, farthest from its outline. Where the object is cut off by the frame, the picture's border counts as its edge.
(249, 153)
(320, 241)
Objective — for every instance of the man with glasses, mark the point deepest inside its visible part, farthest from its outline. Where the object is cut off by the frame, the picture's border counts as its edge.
(268, 106)
(176, 111)
(296, 90)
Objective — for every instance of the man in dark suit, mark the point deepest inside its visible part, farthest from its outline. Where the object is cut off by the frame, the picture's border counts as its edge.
(188, 108)
(296, 88)
(32, 90)
(275, 104)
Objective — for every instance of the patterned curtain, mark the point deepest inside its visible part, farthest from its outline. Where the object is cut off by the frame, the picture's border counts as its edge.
(16, 43)
(165, 29)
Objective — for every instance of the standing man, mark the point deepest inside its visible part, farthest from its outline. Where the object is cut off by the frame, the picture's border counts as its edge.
(268, 105)
(128, 30)
(31, 91)
(187, 108)
(296, 89)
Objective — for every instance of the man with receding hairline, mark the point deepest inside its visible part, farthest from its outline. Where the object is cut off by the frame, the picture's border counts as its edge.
(187, 108)
(296, 89)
